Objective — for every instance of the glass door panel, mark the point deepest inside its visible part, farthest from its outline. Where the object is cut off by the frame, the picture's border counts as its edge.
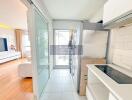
(38, 29)
(41, 51)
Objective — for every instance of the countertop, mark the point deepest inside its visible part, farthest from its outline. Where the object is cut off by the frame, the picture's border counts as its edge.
(121, 91)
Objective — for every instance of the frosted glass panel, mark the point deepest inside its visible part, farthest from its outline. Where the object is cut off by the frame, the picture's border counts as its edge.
(42, 52)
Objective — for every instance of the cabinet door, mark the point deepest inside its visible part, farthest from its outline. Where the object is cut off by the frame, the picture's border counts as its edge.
(89, 95)
(115, 8)
(111, 97)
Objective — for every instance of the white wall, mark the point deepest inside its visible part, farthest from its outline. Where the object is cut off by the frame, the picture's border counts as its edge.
(97, 16)
(121, 47)
(13, 13)
(94, 44)
(65, 24)
(10, 35)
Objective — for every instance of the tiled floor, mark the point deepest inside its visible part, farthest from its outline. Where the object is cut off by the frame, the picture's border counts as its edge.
(60, 87)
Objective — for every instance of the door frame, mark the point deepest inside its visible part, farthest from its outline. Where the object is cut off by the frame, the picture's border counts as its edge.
(54, 41)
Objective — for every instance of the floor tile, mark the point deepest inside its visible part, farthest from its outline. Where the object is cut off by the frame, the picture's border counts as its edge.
(60, 87)
(67, 96)
(51, 96)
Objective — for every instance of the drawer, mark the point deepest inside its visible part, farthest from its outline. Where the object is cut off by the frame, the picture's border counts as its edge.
(89, 94)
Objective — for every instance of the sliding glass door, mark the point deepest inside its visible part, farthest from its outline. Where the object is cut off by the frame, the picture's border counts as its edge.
(38, 28)
(61, 41)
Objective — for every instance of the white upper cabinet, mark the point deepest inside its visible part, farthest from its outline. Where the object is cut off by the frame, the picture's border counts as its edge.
(115, 8)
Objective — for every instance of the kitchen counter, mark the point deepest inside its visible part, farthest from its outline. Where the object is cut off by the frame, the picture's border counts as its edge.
(120, 91)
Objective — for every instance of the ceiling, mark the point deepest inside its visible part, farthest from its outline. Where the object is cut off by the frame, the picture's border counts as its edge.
(13, 13)
(73, 9)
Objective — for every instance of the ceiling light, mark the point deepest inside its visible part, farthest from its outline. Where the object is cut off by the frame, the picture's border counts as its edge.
(5, 26)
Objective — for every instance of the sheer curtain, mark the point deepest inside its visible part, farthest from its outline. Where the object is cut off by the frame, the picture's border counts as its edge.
(26, 48)
(23, 43)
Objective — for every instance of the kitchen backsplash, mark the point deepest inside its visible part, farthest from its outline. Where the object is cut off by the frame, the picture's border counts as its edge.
(121, 46)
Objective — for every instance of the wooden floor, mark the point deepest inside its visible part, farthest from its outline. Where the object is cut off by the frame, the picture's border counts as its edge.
(12, 87)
